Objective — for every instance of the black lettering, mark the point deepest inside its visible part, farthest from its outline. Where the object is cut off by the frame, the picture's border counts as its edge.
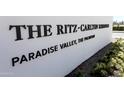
(80, 40)
(18, 31)
(31, 56)
(75, 28)
(44, 52)
(56, 48)
(63, 45)
(103, 26)
(15, 60)
(23, 58)
(60, 30)
(52, 49)
(38, 54)
(47, 30)
(31, 31)
(70, 30)
(82, 27)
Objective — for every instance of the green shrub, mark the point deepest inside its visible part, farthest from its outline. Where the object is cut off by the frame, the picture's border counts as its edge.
(112, 63)
(78, 73)
(118, 28)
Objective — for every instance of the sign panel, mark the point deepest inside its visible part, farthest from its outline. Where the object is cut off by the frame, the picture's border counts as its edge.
(50, 46)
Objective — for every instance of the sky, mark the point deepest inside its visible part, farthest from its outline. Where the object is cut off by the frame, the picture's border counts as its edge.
(118, 18)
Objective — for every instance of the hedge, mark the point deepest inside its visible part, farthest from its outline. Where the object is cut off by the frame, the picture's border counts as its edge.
(121, 28)
(112, 63)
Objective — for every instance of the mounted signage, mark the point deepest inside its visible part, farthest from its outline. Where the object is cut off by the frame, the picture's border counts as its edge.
(50, 46)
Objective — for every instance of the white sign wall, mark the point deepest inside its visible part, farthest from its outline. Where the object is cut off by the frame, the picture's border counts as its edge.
(50, 46)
